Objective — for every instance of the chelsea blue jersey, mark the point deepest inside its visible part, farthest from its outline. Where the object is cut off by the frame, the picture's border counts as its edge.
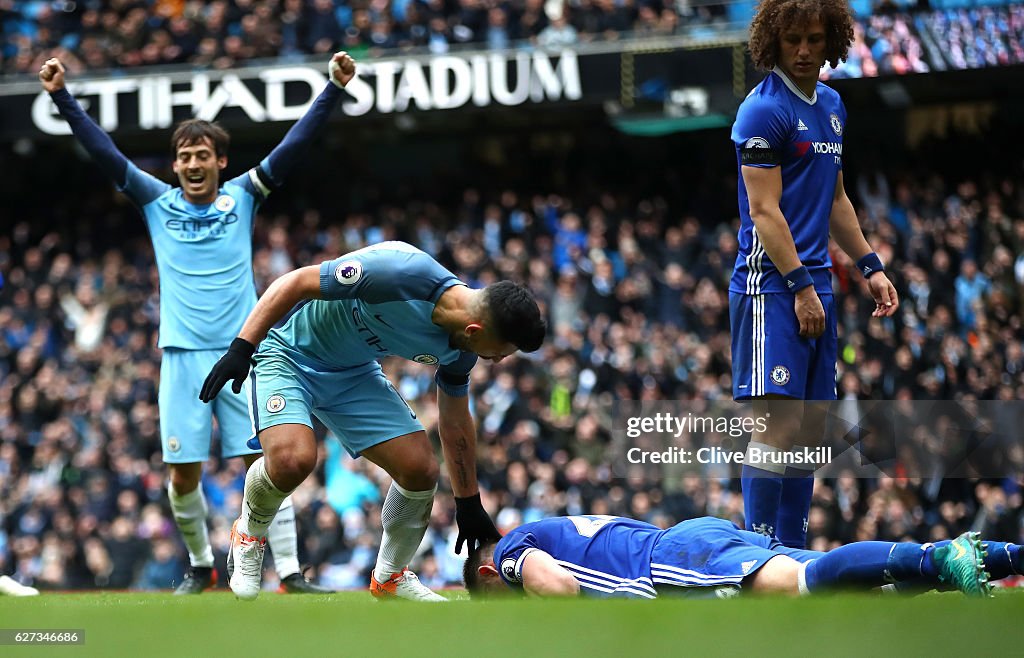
(609, 556)
(777, 125)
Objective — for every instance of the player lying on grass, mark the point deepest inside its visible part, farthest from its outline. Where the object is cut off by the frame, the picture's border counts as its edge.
(609, 556)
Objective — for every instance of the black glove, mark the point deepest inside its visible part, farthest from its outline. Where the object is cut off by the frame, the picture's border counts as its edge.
(233, 366)
(474, 524)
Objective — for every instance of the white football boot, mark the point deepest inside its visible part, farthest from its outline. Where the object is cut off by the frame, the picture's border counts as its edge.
(245, 563)
(11, 587)
(403, 585)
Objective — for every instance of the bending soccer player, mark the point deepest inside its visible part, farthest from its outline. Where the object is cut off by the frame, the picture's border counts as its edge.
(608, 556)
(389, 298)
(202, 237)
(788, 137)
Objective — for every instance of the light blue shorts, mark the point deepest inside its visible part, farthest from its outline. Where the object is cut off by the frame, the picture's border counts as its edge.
(358, 405)
(186, 423)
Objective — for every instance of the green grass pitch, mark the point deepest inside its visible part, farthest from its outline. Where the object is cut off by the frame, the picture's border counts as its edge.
(353, 624)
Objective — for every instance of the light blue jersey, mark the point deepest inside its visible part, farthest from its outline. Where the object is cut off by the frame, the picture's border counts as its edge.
(204, 256)
(322, 361)
(377, 302)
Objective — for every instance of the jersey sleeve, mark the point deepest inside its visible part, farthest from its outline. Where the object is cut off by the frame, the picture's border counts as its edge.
(286, 155)
(453, 378)
(510, 553)
(255, 183)
(142, 187)
(382, 275)
(761, 131)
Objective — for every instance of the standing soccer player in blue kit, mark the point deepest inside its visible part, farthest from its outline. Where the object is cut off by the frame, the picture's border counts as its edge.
(788, 137)
(386, 299)
(202, 237)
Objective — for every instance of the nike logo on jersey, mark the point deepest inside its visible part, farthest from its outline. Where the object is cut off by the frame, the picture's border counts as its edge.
(381, 320)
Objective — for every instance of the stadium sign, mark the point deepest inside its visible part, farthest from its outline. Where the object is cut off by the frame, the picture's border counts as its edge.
(384, 87)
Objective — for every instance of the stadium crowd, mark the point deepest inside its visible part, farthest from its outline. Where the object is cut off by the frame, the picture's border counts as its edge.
(89, 34)
(636, 299)
(121, 34)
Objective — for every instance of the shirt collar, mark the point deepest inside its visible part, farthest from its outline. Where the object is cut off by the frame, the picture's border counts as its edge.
(796, 90)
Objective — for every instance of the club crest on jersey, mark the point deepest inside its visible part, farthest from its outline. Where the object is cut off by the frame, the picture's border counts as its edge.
(348, 272)
(425, 359)
(275, 403)
(837, 125)
(173, 444)
(224, 203)
(780, 375)
(508, 569)
(757, 143)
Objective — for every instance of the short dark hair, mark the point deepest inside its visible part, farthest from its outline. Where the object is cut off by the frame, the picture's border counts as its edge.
(194, 131)
(471, 567)
(772, 16)
(515, 315)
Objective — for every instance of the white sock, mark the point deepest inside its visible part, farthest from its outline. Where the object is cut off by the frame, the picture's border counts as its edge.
(405, 516)
(190, 514)
(282, 540)
(260, 500)
(766, 457)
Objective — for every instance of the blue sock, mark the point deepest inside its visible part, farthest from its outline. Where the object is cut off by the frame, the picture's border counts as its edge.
(1003, 559)
(794, 507)
(762, 492)
(865, 563)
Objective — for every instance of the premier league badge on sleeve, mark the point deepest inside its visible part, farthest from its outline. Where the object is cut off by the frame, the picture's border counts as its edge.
(348, 272)
(508, 569)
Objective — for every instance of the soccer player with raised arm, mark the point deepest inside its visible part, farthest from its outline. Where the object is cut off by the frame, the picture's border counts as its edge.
(386, 299)
(202, 237)
(615, 557)
(788, 137)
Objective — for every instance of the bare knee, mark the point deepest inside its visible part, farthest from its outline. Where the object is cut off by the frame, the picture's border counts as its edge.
(288, 469)
(419, 475)
(185, 477)
(289, 457)
(408, 459)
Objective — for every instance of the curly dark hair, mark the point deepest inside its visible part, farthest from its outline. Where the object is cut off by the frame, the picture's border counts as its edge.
(515, 314)
(774, 16)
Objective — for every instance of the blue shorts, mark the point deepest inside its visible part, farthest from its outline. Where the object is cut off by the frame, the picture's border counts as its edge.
(708, 552)
(358, 405)
(186, 423)
(770, 357)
